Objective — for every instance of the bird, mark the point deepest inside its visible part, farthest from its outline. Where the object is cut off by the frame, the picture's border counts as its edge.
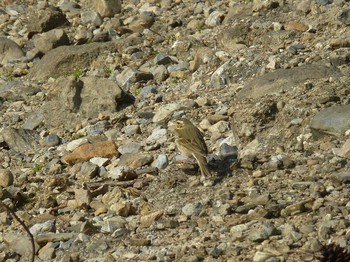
(190, 142)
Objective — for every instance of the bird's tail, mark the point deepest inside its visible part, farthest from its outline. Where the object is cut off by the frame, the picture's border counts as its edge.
(203, 166)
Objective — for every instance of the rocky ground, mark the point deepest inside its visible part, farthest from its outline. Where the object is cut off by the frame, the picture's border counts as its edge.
(89, 91)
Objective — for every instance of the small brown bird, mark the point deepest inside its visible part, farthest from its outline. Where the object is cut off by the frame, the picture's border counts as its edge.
(190, 142)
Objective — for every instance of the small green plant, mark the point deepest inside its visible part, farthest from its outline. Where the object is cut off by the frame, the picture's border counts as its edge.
(38, 167)
(138, 91)
(108, 71)
(77, 73)
(77, 136)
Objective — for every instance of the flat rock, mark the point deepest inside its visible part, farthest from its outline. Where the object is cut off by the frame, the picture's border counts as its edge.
(16, 90)
(71, 99)
(9, 50)
(345, 150)
(135, 161)
(165, 112)
(63, 60)
(106, 8)
(333, 120)
(130, 148)
(45, 20)
(20, 140)
(6, 178)
(130, 76)
(87, 151)
(50, 40)
(147, 220)
(20, 244)
(284, 79)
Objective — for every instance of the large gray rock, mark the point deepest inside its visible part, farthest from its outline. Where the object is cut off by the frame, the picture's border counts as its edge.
(20, 140)
(72, 100)
(50, 40)
(45, 20)
(106, 8)
(17, 90)
(9, 50)
(285, 79)
(64, 60)
(334, 120)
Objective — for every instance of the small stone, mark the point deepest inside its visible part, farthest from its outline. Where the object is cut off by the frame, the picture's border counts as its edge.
(264, 232)
(343, 177)
(312, 244)
(324, 2)
(49, 40)
(215, 18)
(147, 220)
(122, 208)
(106, 8)
(344, 16)
(131, 130)
(261, 256)
(91, 17)
(40, 228)
(216, 251)
(164, 113)
(297, 26)
(228, 151)
(130, 76)
(122, 173)
(148, 90)
(18, 243)
(296, 121)
(82, 197)
(162, 59)
(220, 127)
(112, 224)
(87, 151)
(181, 66)
(298, 207)
(6, 178)
(161, 162)
(140, 242)
(100, 161)
(345, 150)
(192, 209)
(87, 228)
(135, 161)
(76, 143)
(130, 148)
(158, 136)
(87, 171)
(52, 140)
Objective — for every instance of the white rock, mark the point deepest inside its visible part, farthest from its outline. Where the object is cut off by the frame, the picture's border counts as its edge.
(157, 136)
(75, 143)
(165, 112)
(99, 161)
(220, 127)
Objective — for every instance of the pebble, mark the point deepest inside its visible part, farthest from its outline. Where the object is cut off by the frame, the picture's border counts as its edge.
(161, 162)
(158, 136)
(52, 140)
(192, 209)
(6, 178)
(76, 143)
(130, 148)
